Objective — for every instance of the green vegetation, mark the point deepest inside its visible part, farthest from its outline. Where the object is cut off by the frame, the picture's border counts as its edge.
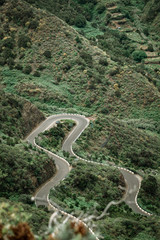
(13, 212)
(89, 191)
(119, 141)
(52, 139)
(138, 56)
(106, 66)
(16, 120)
(149, 193)
(29, 174)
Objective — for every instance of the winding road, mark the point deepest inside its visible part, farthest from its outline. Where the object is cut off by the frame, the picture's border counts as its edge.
(133, 181)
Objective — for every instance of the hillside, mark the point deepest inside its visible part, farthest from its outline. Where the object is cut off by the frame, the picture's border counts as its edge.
(151, 14)
(100, 59)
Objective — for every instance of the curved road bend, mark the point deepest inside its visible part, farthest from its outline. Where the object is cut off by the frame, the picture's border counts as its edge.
(62, 165)
(132, 181)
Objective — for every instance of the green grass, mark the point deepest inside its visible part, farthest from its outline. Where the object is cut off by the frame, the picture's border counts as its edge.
(89, 31)
(134, 36)
(121, 97)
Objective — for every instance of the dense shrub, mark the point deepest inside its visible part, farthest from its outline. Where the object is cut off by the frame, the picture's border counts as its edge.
(146, 31)
(80, 21)
(1, 33)
(87, 57)
(19, 14)
(7, 52)
(10, 62)
(104, 110)
(30, 1)
(87, 1)
(23, 41)
(78, 40)
(33, 24)
(101, 9)
(113, 71)
(6, 27)
(103, 61)
(89, 11)
(41, 67)
(67, 67)
(2, 2)
(150, 48)
(117, 93)
(18, 66)
(36, 74)
(150, 185)
(2, 61)
(107, 18)
(139, 55)
(47, 54)
(8, 42)
(27, 69)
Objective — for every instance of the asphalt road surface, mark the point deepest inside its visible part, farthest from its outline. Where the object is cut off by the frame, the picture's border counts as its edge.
(133, 182)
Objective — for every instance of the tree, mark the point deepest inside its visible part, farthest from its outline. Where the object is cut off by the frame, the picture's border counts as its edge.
(150, 185)
(139, 55)
(80, 21)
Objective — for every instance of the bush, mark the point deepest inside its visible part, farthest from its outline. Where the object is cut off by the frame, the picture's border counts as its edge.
(19, 14)
(117, 93)
(47, 54)
(33, 24)
(41, 67)
(104, 110)
(139, 55)
(107, 18)
(10, 62)
(80, 21)
(18, 66)
(87, 57)
(36, 74)
(150, 48)
(103, 61)
(87, 1)
(27, 69)
(67, 67)
(2, 2)
(150, 185)
(30, 1)
(101, 9)
(23, 41)
(114, 71)
(146, 31)
(1, 33)
(78, 40)
(2, 61)
(7, 52)
(9, 42)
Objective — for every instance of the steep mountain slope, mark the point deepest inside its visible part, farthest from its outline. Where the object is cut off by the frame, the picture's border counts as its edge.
(151, 14)
(100, 65)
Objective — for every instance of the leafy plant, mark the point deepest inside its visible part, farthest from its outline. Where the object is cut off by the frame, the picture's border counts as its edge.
(139, 55)
(27, 69)
(80, 21)
(23, 41)
(47, 54)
